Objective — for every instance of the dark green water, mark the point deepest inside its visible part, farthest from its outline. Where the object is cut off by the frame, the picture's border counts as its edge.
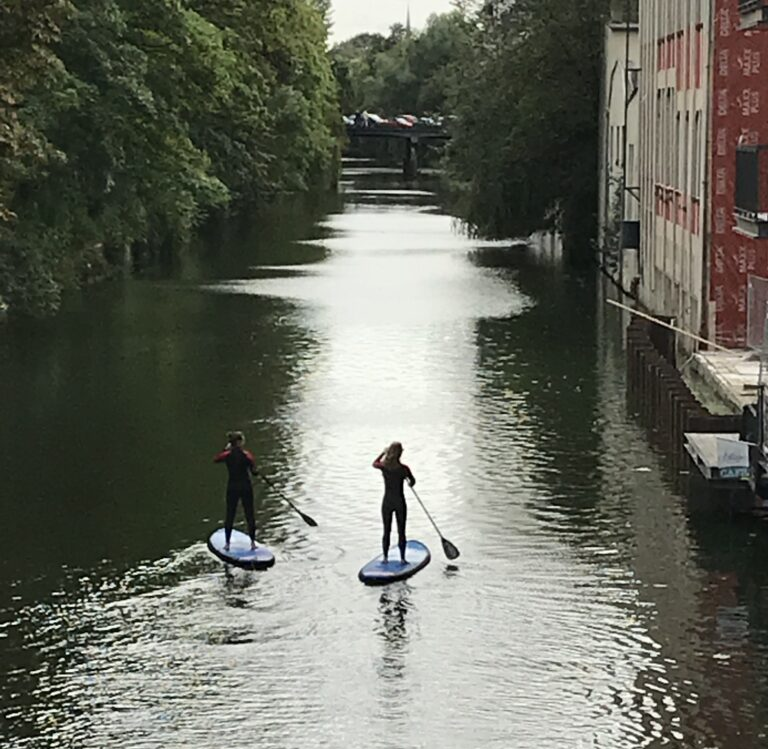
(594, 605)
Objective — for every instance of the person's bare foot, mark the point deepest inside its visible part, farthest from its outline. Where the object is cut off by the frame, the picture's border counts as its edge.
(226, 547)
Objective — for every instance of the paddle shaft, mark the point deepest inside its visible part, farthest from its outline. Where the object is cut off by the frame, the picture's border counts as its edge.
(431, 519)
(450, 549)
(307, 519)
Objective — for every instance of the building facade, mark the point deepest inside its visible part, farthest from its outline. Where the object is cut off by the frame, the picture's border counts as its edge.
(739, 173)
(675, 113)
(619, 164)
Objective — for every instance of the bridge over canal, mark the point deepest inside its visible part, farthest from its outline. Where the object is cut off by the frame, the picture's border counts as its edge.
(412, 138)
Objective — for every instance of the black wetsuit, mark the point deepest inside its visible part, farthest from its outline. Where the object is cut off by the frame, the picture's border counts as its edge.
(394, 503)
(239, 464)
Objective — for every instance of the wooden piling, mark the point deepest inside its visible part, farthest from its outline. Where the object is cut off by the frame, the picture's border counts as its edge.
(659, 393)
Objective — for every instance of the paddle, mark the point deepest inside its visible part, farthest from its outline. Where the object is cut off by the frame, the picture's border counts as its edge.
(450, 550)
(306, 518)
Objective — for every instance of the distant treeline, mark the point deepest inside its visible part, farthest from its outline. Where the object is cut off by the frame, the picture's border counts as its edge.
(124, 122)
(521, 80)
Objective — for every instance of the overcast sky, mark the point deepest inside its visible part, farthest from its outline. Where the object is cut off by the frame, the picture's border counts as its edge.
(352, 17)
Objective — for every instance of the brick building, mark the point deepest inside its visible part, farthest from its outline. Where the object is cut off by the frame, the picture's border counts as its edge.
(739, 172)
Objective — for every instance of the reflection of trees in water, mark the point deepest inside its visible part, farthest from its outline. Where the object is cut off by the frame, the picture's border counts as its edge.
(547, 357)
(161, 370)
(394, 604)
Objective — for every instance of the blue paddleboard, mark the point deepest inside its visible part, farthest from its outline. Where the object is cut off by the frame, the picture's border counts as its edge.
(417, 557)
(240, 553)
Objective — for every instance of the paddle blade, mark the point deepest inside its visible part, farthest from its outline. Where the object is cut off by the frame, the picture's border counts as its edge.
(450, 550)
(308, 520)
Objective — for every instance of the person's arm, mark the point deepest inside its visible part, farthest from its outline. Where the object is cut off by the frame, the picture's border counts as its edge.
(251, 462)
(409, 476)
(377, 463)
(221, 457)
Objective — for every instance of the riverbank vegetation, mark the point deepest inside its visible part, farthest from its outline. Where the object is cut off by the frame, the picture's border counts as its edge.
(524, 153)
(520, 82)
(123, 123)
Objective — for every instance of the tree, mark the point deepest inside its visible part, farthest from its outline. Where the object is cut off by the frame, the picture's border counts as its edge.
(523, 154)
(402, 73)
(124, 123)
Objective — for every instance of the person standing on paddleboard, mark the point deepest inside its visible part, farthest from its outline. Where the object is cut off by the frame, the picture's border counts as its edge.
(240, 465)
(395, 473)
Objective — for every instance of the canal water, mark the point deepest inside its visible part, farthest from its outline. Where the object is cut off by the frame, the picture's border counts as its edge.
(594, 604)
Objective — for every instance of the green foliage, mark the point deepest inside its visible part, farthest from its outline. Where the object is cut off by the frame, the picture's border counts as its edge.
(524, 149)
(25, 55)
(140, 117)
(402, 73)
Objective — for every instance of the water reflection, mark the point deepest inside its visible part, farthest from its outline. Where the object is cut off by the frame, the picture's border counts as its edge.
(394, 605)
(236, 582)
(592, 606)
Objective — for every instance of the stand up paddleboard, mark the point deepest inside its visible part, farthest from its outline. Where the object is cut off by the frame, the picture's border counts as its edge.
(240, 553)
(417, 557)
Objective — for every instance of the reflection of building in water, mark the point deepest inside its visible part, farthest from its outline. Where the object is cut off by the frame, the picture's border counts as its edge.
(546, 245)
(701, 684)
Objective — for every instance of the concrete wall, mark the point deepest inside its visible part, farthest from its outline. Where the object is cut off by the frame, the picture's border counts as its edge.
(613, 95)
(675, 105)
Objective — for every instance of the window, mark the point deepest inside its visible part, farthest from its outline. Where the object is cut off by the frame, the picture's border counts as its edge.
(698, 60)
(696, 158)
(751, 197)
(624, 11)
(753, 12)
(618, 145)
(678, 156)
(610, 145)
(657, 141)
(686, 156)
(669, 148)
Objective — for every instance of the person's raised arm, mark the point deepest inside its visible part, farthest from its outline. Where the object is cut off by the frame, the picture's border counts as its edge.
(377, 463)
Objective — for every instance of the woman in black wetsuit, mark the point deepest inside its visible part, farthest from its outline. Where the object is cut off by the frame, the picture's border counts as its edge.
(395, 473)
(240, 466)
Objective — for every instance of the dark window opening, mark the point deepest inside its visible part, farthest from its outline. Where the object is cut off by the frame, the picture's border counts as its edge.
(624, 11)
(751, 198)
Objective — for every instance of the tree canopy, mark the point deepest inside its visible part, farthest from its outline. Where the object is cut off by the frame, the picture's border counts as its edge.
(124, 122)
(521, 81)
(525, 140)
(403, 72)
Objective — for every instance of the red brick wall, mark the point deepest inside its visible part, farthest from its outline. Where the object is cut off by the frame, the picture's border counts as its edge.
(739, 114)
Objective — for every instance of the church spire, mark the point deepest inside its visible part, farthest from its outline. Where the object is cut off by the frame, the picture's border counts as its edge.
(408, 20)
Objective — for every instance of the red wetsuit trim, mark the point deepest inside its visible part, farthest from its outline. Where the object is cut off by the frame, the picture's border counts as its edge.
(393, 478)
(240, 463)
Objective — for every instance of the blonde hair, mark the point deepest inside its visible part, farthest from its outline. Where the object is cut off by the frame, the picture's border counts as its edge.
(392, 455)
